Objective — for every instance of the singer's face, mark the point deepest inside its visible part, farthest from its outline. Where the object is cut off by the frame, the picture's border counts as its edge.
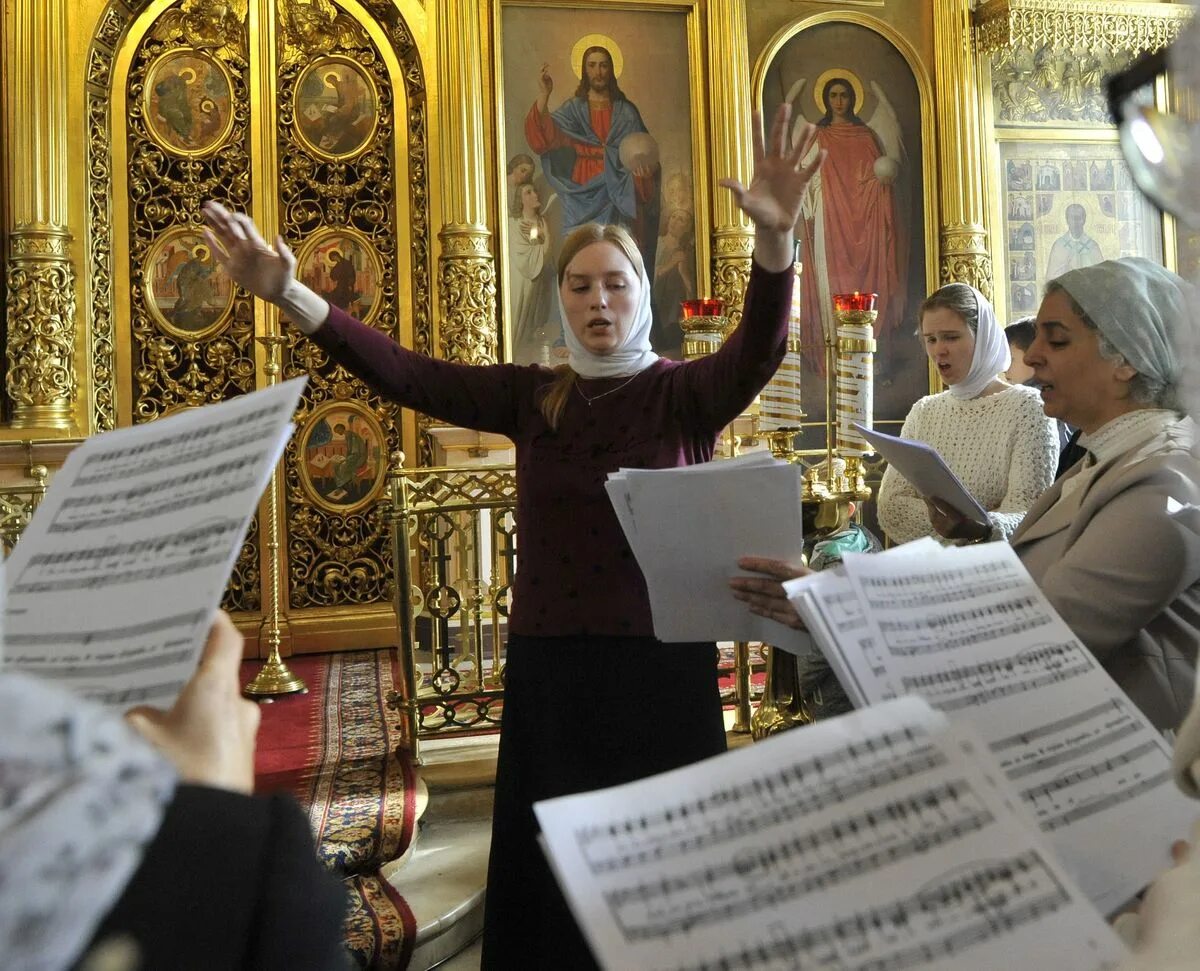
(600, 292)
(949, 343)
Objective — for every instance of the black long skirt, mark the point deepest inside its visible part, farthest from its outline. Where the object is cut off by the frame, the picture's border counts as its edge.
(582, 713)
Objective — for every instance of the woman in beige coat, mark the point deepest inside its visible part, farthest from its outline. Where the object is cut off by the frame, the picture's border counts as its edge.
(1115, 543)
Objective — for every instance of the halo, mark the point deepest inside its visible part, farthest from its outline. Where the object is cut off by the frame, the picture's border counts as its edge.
(188, 74)
(200, 252)
(838, 72)
(597, 40)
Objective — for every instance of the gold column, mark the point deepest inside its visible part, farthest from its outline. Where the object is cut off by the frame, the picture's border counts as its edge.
(40, 278)
(466, 270)
(965, 256)
(732, 153)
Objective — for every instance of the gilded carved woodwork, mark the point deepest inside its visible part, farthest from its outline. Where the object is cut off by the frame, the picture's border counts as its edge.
(1095, 26)
(41, 329)
(337, 184)
(467, 287)
(1050, 86)
(332, 558)
(39, 276)
(732, 251)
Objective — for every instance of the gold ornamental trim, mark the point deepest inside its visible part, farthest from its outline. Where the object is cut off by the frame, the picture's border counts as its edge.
(972, 268)
(41, 342)
(467, 286)
(466, 242)
(1077, 24)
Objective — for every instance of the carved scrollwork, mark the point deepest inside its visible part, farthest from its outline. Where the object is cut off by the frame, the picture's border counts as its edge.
(467, 286)
(732, 250)
(1076, 25)
(965, 260)
(41, 334)
(1051, 86)
(202, 24)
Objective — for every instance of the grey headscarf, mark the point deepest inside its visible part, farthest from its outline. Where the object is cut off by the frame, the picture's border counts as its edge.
(1139, 306)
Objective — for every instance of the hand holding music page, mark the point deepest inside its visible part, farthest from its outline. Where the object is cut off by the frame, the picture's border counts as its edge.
(926, 471)
(871, 840)
(113, 586)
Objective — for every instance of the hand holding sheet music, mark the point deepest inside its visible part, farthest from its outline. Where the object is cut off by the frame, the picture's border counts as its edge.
(871, 840)
(926, 471)
(115, 582)
(688, 526)
(969, 630)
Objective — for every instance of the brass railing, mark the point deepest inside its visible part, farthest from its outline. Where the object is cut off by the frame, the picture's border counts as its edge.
(454, 550)
(18, 502)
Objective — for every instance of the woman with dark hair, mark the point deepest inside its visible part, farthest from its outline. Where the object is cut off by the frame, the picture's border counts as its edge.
(575, 717)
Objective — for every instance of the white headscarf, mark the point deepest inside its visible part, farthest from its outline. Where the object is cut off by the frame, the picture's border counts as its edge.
(632, 355)
(81, 795)
(991, 357)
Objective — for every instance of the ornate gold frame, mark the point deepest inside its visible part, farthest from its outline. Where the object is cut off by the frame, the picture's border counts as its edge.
(702, 162)
(304, 251)
(366, 78)
(1109, 25)
(929, 161)
(168, 326)
(218, 142)
(310, 489)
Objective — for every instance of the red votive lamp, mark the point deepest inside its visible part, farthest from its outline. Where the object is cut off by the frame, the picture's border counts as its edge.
(703, 307)
(843, 302)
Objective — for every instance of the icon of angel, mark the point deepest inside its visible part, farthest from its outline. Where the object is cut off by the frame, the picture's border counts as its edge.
(851, 227)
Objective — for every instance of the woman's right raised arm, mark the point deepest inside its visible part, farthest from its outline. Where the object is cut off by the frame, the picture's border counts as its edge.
(486, 398)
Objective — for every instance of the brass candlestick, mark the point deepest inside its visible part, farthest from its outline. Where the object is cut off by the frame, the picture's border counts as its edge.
(855, 314)
(275, 677)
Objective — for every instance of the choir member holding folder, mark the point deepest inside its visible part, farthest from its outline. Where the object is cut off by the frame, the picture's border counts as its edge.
(991, 434)
(592, 699)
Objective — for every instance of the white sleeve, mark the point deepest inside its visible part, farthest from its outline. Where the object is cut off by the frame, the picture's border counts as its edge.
(303, 306)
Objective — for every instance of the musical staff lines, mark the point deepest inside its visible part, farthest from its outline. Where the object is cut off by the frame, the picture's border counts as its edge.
(963, 627)
(934, 588)
(968, 685)
(944, 920)
(800, 864)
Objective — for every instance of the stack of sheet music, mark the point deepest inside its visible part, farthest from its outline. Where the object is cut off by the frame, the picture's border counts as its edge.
(996, 797)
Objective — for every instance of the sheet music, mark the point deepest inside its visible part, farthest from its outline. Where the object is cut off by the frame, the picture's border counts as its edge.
(969, 630)
(926, 471)
(688, 526)
(114, 583)
(874, 840)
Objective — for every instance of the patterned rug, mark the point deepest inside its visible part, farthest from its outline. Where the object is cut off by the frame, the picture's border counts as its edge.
(335, 749)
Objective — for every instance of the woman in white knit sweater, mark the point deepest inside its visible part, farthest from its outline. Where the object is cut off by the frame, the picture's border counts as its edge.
(992, 434)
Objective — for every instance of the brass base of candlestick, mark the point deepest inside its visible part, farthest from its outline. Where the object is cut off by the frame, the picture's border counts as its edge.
(275, 678)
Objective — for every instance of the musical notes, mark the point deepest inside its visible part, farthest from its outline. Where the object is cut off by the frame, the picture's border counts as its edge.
(805, 850)
(968, 630)
(113, 585)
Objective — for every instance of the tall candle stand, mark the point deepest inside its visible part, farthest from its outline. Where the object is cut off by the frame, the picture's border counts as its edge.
(275, 677)
(855, 315)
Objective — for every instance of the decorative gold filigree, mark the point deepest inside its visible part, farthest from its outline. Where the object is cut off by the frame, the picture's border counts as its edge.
(1074, 25)
(731, 271)
(1052, 86)
(965, 259)
(314, 27)
(216, 26)
(41, 331)
(467, 286)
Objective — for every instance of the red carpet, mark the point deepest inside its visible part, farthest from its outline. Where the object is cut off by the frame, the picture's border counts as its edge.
(335, 749)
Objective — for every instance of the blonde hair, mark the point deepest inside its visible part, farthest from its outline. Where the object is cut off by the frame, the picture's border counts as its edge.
(553, 400)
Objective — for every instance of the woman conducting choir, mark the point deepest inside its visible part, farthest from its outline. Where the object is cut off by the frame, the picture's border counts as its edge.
(992, 434)
(581, 710)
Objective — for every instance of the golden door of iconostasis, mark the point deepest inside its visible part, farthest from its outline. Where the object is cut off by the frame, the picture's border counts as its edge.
(311, 118)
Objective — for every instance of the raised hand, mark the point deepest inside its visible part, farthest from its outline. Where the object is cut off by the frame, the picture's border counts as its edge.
(772, 200)
(241, 251)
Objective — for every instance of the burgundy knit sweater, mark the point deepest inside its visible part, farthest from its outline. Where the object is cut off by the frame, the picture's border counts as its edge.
(576, 574)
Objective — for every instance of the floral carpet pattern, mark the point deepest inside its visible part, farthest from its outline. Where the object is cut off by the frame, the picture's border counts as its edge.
(336, 750)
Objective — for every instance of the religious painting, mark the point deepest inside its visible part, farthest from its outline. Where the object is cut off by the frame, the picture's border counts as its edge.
(336, 108)
(343, 456)
(595, 127)
(343, 267)
(186, 293)
(187, 103)
(863, 226)
(1082, 209)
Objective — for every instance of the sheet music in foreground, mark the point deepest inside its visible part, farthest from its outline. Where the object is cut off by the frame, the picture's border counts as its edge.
(970, 631)
(113, 586)
(873, 840)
